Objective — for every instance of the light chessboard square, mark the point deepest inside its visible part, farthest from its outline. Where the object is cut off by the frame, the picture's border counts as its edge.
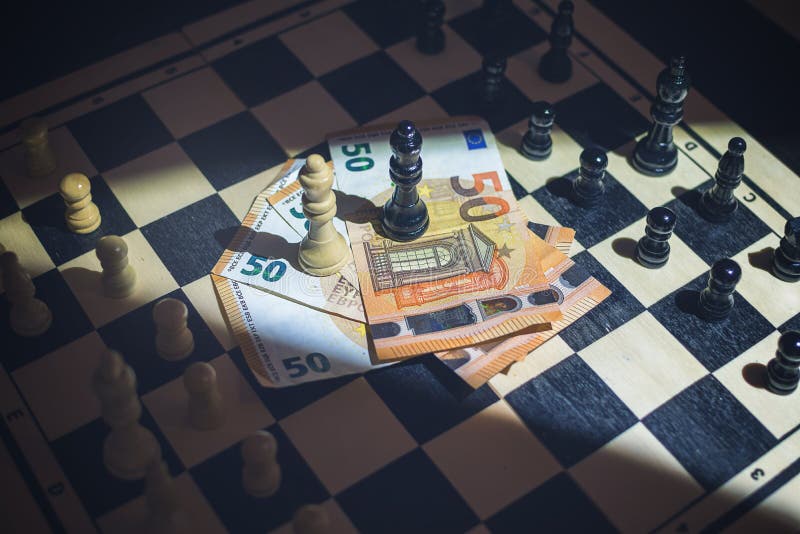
(425, 108)
(203, 297)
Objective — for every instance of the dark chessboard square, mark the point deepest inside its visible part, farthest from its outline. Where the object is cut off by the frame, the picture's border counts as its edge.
(714, 241)
(618, 209)
(462, 97)
(791, 324)
(220, 480)
(571, 410)
(516, 187)
(232, 150)
(515, 33)
(191, 240)
(69, 323)
(387, 22)
(7, 203)
(620, 307)
(597, 116)
(713, 344)
(46, 218)
(558, 505)
(709, 432)
(119, 132)
(135, 335)
(371, 87)
(420, 400)
(408, 495)
(322, 149)
(261, 71)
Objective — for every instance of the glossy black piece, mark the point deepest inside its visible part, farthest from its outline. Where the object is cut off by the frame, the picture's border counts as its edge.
(588, 188)
(430, 37)
(491, 89)
(536, 143)
(718, 203)
(783, 371)
(405, 215)
(656, 153)
(716, 300)
(556, 65)
(652, 251)
(786, 261)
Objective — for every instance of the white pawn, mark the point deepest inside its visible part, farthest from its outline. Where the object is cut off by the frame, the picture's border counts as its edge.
(323, 251)
(261, 473)
(29, 316)
(82, 214)
(206, 411)
(119, 278)
(130, 448)
(39, 157)
(174, 340)
(161, 498)
(310, 519)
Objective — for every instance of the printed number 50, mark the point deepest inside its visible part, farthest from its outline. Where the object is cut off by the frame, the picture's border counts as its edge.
(273, 271)
(361, 163)
(315, 361)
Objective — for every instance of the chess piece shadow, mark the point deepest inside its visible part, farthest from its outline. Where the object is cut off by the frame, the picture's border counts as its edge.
(449, 380)
(687, 300)
(224, 236)
(625, 247)
(561, 186)
(678, 191)
(267, 245)
(755, 374)
(83, 280)
(355, 209)
(762, 259)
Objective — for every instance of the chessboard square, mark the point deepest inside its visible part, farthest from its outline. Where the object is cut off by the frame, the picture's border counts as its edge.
(134, 334)
(322, 149)
(69, 323)
(643, 364)
(745, 377)
(261, 71)
(422, 500)
(17, 236)
(706, 421)
(347, 435)
(385, 21)
(192, 102)
(7, 203)
(523, 71)
(571, 410)
(46, 217)
(713, 343)
(297, 119)
(598, 116)
(84, 276)
(421, 401)
(543, 358)
(421, 109)
(791, 324)
(515, 32)
(220, 479)
(344, 43)
(620, 307)
(778, 512)
(157, 184)
(244, 414)
(714, 241)
(232, 150)
(491, 473)
(635, 481)
(390, 87)
(119, 132)
(203, 298)
(58, 386)
(558, 505)
(191, 240)
(26, 190)
(617, 209)
(239, 197)
(433, 71)
(337, 520)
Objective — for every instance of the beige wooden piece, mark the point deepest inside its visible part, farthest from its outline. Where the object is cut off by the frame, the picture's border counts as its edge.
(29, 316)
(205, 402)
(119, 278)
(261, 473)
(161, 497)
(39, 157)
(310, 519)
(174, 340)
(82, 214)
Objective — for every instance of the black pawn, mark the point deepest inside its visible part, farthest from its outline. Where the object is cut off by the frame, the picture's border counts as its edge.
(716, 300)
(589, 188)
(783, 371)
(494, 69)
(786, 262)
(655, 153)
(405, 215)
(555, 65)
(718, 203)
(536, 143)
(652, 251)
(430, 38)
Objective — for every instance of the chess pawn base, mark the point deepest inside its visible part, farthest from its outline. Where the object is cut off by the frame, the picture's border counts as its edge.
(535, 152)
(555, 67)
(431, 44)
(31, 319)
(119, 285)
(83, 220)
(654, 162)
(784, 267)
(173, 349)
(646, 258)
(404, 223)
(129, 452)
(262, 486)
(778, 380)
(714, 212)
(323, 258)
(714, 311)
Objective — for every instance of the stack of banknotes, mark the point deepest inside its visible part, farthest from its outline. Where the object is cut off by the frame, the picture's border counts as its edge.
(481, 289)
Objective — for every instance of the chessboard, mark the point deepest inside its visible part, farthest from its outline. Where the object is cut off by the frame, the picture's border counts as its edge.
(638, 417)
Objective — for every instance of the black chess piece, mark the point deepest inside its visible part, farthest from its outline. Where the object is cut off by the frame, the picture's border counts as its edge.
(556, 65)
(536, 143)
(652, 251)
(491, 89)
(718, 203)
(655, 153)
(783, 371)
(786, 261)
(716, 300)
(589, 187)
(430, 37)
(405, 215)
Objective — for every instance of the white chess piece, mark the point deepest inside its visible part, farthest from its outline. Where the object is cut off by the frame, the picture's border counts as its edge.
(29, 316)
(161, 498)
(174, 341)
(206, 410)
(261, 473)
(119, 278)
(323, 251)
(82, 214)
(130, 448)
(39, 157)
(310, 519)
